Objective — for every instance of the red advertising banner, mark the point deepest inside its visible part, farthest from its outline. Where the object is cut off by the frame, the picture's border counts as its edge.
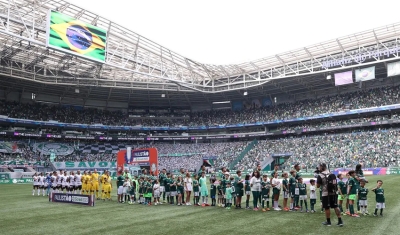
(144, 158)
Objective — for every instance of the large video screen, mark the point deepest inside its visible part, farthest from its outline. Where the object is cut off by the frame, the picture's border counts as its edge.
(74, 36)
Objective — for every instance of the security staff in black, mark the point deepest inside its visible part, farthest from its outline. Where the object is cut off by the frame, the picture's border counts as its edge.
(329, 198)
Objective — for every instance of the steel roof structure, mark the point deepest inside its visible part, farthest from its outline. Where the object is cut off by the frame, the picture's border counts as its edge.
(134, 62)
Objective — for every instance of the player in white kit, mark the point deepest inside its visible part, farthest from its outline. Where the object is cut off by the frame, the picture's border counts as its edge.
(65, 183)
(78, 182)
(35, 184)
(54, 182)
(72, 182)
(59, 181)
(41, 183)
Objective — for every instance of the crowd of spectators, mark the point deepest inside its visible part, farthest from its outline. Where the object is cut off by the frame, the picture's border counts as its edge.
(372, 148)
(280, 111)
(304, 108)
(339, 122)
(171, 156)
(190, 163)
(175, 156)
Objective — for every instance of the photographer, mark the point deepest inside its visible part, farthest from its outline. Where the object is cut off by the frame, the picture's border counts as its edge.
(316, 172)
(329, 195)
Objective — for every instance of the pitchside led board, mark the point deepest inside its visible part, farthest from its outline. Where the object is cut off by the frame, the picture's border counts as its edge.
(143, 158)
(73, 36)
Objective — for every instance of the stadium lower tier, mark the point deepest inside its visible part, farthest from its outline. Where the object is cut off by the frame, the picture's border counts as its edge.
(372, 148)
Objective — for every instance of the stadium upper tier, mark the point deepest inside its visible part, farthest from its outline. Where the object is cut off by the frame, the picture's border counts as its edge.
(133, 61)
(301, 109)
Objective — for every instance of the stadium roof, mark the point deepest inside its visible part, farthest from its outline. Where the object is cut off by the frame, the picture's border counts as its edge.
(135, 62)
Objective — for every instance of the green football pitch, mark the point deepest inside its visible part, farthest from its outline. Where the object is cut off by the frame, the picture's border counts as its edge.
(22, 213)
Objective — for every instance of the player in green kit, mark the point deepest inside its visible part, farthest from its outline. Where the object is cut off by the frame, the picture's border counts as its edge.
(359, 176)
(352, 191)
(380, 198)
(132, 190)
(302, 194)
(228, 196)
(203, 189)
(180, 189)
(213, 192)
(167, 187)
(120, 186)
(140, 190)
(362, 197)
(285, 189)
(224, 183)
(232, 180)
(172, 188)
(292, 188)
(265, 190)
(247, 190)
(161, 177)
(347, 199)
(297, 176)
(222, 174)
(202, 169)
(149, 190)
(342, 191)
(196, 191)
(135, 182)
(220, 195)
(239, 189)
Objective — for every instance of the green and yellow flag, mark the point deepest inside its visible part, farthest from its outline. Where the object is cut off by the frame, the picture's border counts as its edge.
(72, 35)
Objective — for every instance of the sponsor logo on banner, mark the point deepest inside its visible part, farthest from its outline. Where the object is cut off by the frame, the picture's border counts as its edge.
(360, 57)
(85, 165)
(141, 159)
(16, 181)
(143, 153)
(87, 200)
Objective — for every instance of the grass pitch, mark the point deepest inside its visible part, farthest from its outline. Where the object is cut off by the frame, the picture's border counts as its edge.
(22, 213)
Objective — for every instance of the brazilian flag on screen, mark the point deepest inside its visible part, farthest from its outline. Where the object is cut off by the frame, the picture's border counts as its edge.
(72, 35)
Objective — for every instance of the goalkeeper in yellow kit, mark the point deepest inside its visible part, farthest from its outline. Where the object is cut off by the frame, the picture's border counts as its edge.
(107, 187)
(95, 184)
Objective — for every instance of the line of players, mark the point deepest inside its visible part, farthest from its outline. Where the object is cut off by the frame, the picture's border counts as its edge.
(76, 183)
(230, 190)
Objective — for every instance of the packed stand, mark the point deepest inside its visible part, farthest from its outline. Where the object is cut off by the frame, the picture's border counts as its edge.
(361, 99)
(372, 148)
(339, 122)
(305, 108)
(190, 163)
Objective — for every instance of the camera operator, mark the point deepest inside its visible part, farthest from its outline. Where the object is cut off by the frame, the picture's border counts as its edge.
(316, 172)
(329, 199)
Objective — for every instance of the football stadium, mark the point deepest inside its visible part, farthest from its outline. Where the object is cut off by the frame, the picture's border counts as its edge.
(103, 131)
